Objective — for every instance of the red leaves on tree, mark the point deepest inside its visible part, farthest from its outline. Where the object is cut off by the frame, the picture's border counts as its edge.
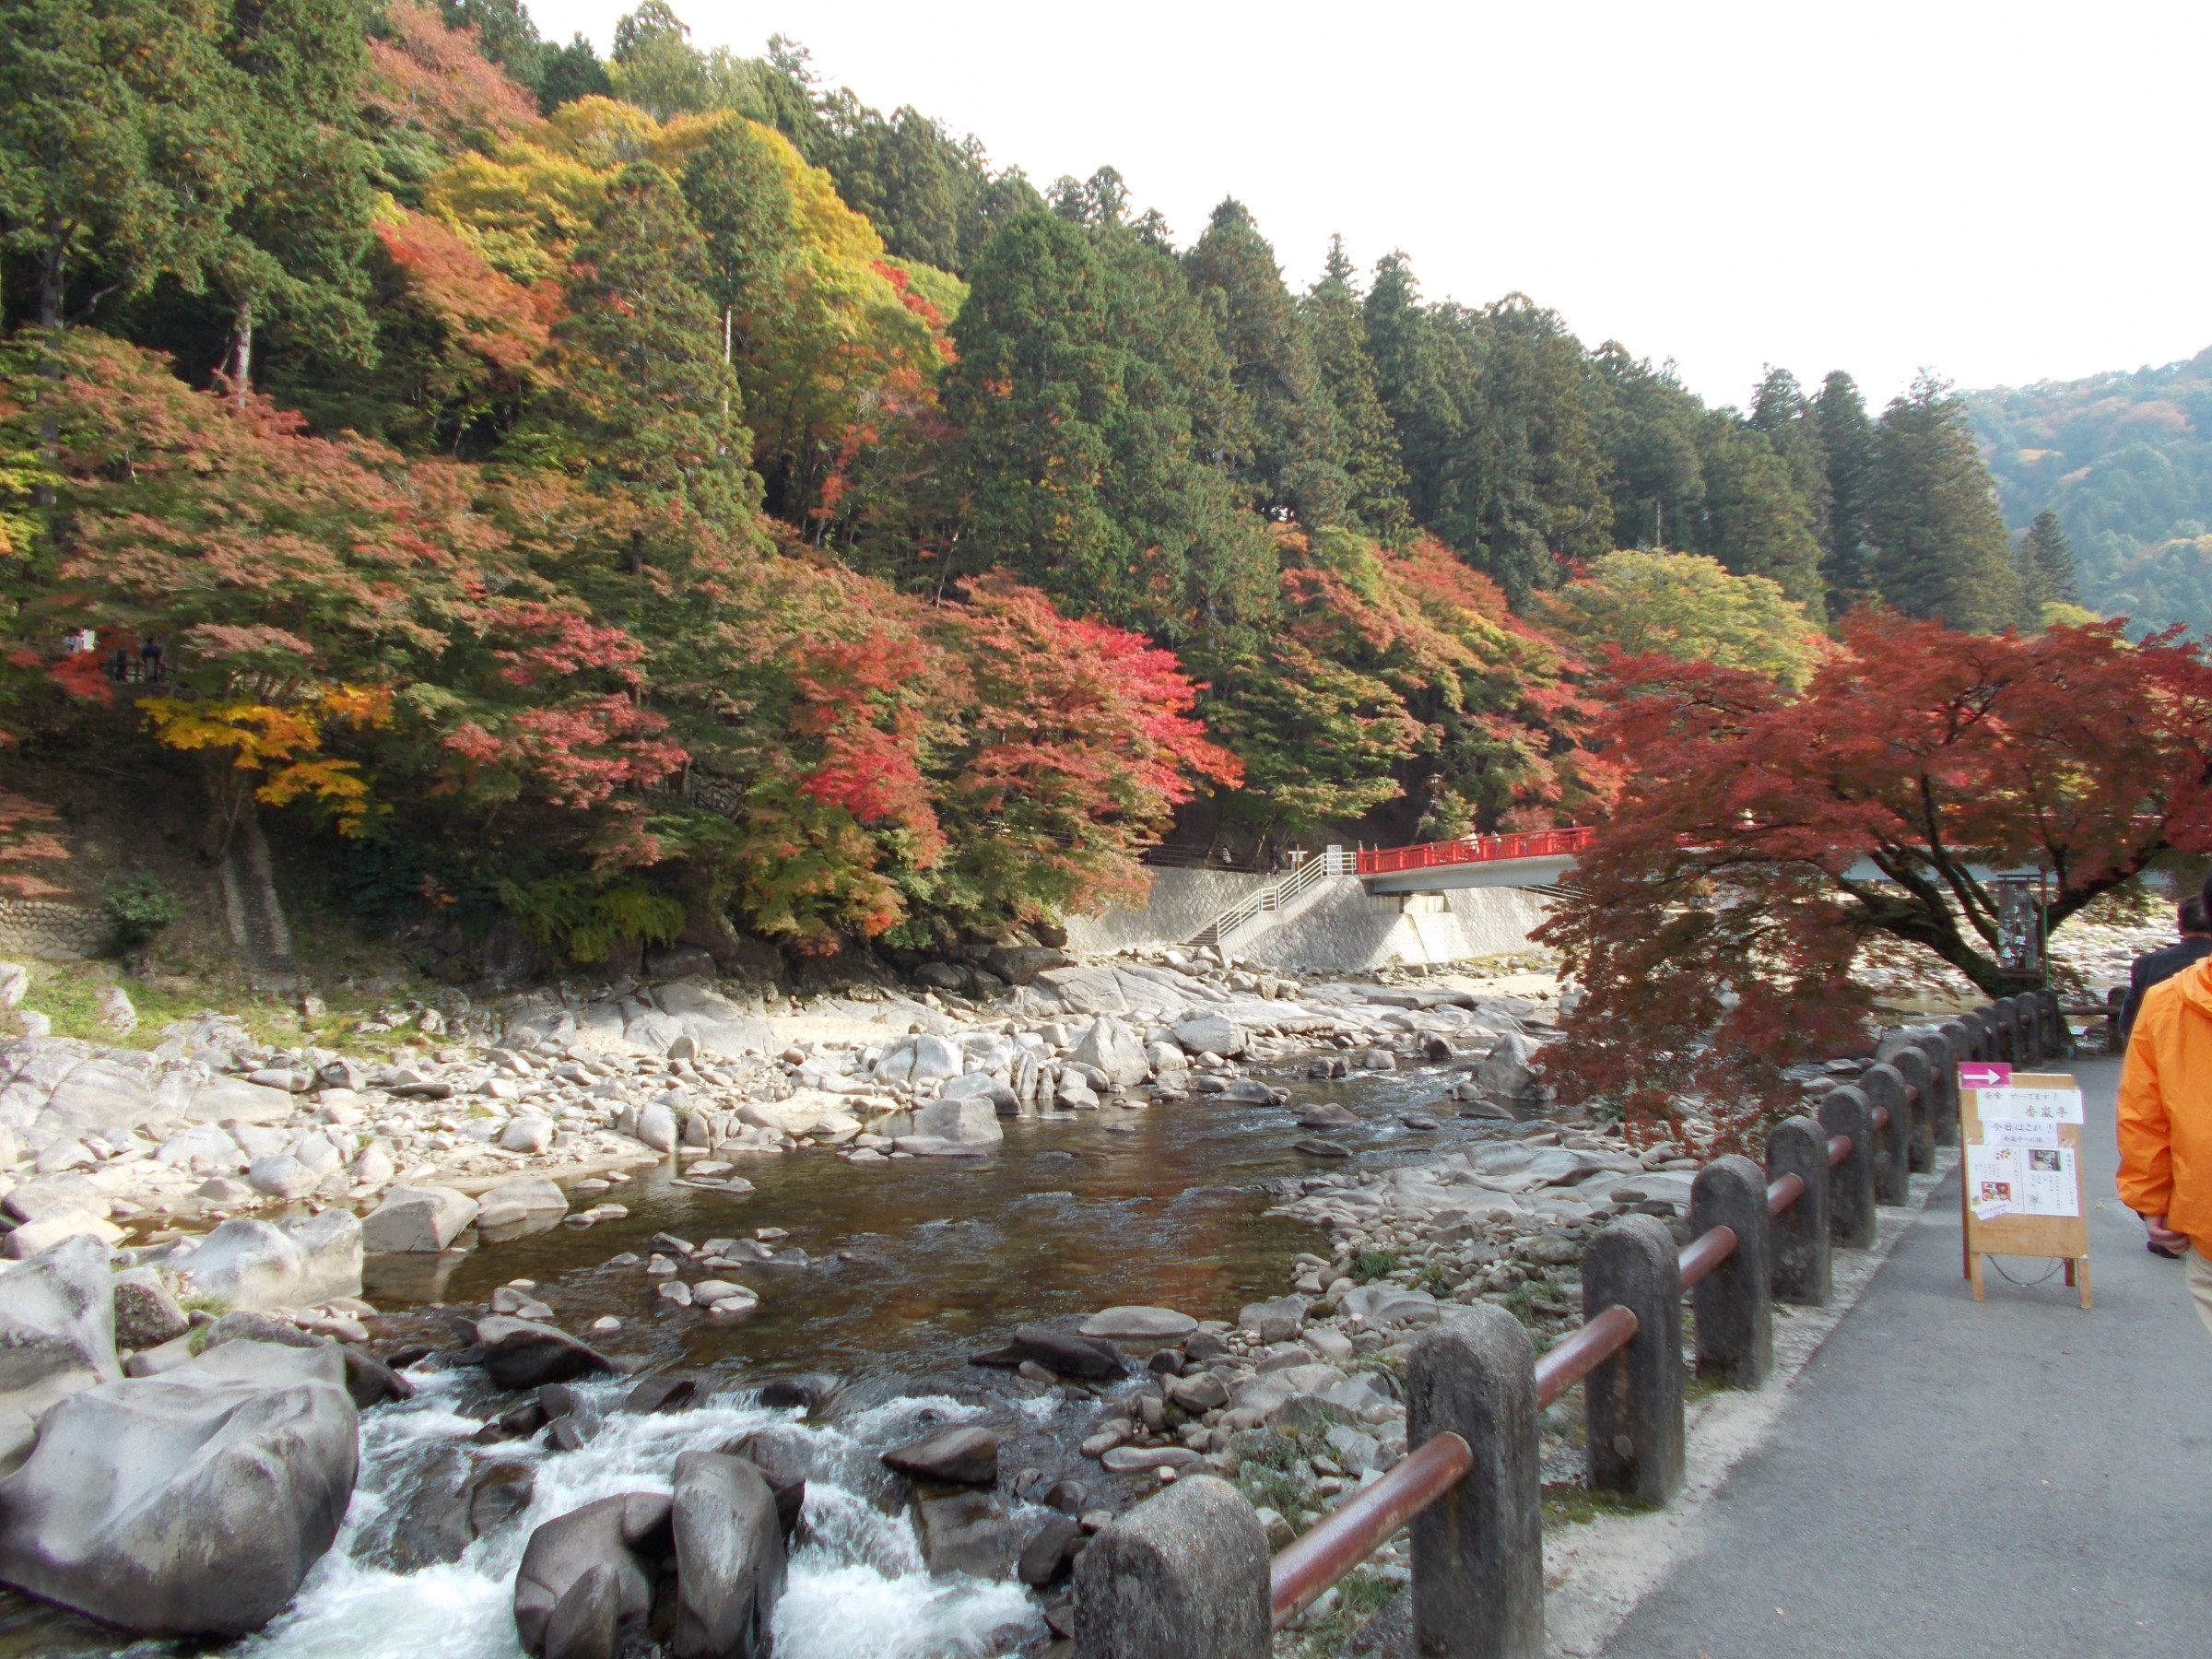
(1714, 921)
(488, 314)
(427, 76)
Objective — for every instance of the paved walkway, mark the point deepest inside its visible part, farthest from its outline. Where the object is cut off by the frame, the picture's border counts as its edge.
(2013, 1479)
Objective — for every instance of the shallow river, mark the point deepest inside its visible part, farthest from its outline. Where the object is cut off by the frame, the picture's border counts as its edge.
(913, 1265)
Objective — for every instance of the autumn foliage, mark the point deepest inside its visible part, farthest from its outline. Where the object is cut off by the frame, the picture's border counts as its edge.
(1761, 840)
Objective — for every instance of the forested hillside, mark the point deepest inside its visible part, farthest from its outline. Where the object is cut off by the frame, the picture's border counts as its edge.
(2125, 461)
(663, 492)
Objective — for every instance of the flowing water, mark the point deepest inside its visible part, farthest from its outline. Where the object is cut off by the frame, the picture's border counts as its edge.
(913, 1264)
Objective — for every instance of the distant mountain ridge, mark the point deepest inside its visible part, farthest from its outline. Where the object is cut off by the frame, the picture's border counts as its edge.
(2126, 461)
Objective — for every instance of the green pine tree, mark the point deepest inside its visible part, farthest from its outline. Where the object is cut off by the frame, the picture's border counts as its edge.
(741, 203)
(1365, 440)
(1846, 448)
(1938, 546)
(2043, 566)
(1297, 466)
(1756, 521)
(1781, 410)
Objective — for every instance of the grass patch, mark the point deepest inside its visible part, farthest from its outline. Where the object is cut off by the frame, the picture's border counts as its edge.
(69, 994)
(1372, 1264)
(1568, 1503)
(1359, 1596)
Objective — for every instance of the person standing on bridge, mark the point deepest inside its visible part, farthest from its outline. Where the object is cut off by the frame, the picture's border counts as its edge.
(2166, 1120)
(2157, 966)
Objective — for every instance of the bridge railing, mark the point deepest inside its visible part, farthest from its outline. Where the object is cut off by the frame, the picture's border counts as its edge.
(1186, 1572)
(1473, 849)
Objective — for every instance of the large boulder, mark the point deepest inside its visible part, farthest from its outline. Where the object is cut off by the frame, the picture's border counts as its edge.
(1509, 1070)
(713, 1021)
(1063, 1352)
(968, 1532)
(418, 1218)
(521, 1353)
(1211, 1034)
(62, 1221)
(146, 1315)
(586, 1578)
(954, 1126)
(57, 1337)
(1139, 1324)
(729, 1558)
(225, 1100)
(1018, 964)
(1115, 1050)
(187, 1504)
(982, 1086)
(657, 1125)
(252, 1264)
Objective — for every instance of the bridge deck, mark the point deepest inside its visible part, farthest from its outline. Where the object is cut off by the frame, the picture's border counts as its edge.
(2015, 1477)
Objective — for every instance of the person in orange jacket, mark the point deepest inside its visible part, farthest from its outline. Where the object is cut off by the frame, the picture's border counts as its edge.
(2166, 1120)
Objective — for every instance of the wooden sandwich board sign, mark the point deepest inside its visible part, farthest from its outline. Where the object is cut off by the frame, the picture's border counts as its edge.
(2019, 1187)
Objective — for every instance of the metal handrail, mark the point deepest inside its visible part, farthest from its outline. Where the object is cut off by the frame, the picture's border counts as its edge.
(1267, 898)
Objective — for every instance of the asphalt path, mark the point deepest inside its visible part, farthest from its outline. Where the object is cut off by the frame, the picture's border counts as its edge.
(2013, 1478)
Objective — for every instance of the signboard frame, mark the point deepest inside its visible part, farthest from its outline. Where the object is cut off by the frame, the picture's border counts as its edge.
(2066, 1238)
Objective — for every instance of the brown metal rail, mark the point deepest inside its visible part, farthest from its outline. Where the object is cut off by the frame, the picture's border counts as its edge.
(1316, 1559)
(1310, 1563)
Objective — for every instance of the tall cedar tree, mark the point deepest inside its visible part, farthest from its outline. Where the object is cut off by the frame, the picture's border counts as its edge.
(1366, 443)
(1846, 451)
(1094, 453)
(742, 206)
(1756, 521)
(647, 406)
(297, 255)
(1652, 428)
(1296, 466)
(1939, 548)
(1781, 410)
(120, 158)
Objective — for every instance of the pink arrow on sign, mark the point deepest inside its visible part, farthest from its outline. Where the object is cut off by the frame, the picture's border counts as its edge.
(1985, 1074)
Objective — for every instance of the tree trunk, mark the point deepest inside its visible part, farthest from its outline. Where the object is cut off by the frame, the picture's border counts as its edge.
(250, 908)
(241, 353)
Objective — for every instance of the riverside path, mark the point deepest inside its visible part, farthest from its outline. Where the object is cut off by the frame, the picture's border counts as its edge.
(2013, 1478)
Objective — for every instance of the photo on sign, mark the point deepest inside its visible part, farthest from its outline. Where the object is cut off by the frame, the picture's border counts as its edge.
(2040, 1160)
(1995, 1192)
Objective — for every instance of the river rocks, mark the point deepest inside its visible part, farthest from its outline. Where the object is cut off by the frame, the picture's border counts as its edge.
(1320, 1148)
(418, 1218)
(967, 1533)
(957, 1456)
(62, 1221)
(146, 1315)
(1211, 1034)
(1326, 1114)
(656, 1125)
(222, 1482)
(1390, 1305)
(1137, 1460)
(281, 1176)
(1139, 1324)
(729, 1558)
(1199, 1392)
(1508, 1071)
(528, 1134)
(521, 1353)
(586, 1577)
(57, 1337)
(1050, 1553)
(519, 1304)
(784, 1456)
(1279, 1319)
(1245, 1091)
(921, 1058)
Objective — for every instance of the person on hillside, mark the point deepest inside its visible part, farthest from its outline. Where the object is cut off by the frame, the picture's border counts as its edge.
(2166, 1120)
(2157, 966)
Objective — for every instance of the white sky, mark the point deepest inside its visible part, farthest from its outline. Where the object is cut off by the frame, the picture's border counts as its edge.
(2003, 192)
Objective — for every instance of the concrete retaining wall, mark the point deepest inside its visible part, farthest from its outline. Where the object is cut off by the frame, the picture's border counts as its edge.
(48, 931)
(1340, 928)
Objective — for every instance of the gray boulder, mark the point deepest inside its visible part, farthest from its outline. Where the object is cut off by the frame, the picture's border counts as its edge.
(1509, 1069)
(250, 1265)
(57, 1337)
(203, 1148)
(729, 1558)
(1115, 1050)
(418, 1218)
(1390, 1305)
(1211, 1034)
(62, 1221)
(521, 1353)
(529, 1133)
(330, 1247)
(222, 1099)
(1139, 1324)
(968, 1532)
(973, 1123)
(520, 1203)
(187, 1504)
(657, 1126)
(281, 1176)
(982, 1086)
(586, 1578)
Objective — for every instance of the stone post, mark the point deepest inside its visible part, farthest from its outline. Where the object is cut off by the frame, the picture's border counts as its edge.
(2018, 1035)
(1912, 1062)
(1183, 1575)
(1884, 1085)
(1733, 1302)
(1850, 1218)
(1478, 1550)
(1943, 1083)
(1797, 1243)
(1632, 1404)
